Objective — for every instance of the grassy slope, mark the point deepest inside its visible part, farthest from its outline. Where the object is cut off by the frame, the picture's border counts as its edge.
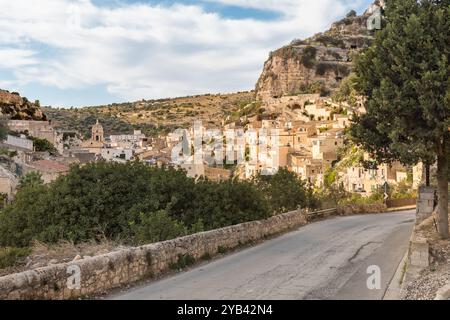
(153, 116)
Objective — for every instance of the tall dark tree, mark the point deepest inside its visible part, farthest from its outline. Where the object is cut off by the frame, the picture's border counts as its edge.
(405, 77)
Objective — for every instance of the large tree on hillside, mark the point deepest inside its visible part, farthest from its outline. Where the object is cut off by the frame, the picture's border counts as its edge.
(405, 77)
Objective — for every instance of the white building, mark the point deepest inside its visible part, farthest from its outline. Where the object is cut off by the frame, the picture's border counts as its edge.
(117, 154)
(20, 142)
(137, 139)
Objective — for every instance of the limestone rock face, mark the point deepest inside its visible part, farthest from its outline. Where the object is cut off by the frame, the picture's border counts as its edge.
(317, 64)
(13, 106)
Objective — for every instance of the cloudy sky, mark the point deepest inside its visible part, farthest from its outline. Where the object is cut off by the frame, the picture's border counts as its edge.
(90, 52)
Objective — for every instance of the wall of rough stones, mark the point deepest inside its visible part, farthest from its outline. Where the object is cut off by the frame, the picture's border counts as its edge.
(360, 209)
(101, 273)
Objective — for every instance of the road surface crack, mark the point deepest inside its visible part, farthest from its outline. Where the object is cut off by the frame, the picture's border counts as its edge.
(361, 248)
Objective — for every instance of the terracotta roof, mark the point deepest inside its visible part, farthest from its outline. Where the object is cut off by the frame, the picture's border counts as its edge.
(50, 165)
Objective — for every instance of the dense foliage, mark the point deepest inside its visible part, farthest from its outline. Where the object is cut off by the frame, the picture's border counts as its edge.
(286, 191)
(42, 145)
(135, 203)
(405, 76)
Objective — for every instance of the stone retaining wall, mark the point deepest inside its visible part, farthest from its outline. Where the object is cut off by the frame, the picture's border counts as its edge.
(101, 273)
(362, 208)
(396, 203)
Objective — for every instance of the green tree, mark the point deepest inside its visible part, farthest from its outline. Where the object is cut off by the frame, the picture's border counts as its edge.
(405, 77)
(106, 200)
(286, 191)
(31, 179)
(157, 226)
(351, 14)
(44, 145)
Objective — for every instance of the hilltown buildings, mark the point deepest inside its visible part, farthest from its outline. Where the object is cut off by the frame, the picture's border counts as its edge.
(8, 183)
(50, 170)
(38, 129)
(305, 137)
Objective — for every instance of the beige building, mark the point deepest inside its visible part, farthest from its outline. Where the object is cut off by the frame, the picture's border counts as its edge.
(317, 112)
(305, 166)
(366, 181)
(8, 183)
(38, 129)
(203, 170)
(97, 141)
(49, 169)
(325, 149)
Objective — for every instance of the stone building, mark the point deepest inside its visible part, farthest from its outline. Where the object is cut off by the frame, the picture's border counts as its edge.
(366, 181)
(8, 183)
(97, 141)
(20, 142)
(37, 129)
(49, 169)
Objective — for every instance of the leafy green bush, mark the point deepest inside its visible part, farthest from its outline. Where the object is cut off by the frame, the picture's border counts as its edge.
(376, 197)
(157, 226)
(31, 179)
(130, 201)
(44, 145)
(308, 58)
(328, 40)
(286, 191)
(10, 257)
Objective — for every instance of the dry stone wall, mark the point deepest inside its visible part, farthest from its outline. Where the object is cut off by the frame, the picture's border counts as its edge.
(101, 273)
(360, 209)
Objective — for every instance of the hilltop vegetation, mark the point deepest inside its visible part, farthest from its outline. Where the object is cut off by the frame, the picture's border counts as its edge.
(154, 117)
(317, 64)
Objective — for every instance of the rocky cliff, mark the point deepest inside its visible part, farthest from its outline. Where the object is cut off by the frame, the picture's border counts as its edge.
(13, 106)
(317, 64)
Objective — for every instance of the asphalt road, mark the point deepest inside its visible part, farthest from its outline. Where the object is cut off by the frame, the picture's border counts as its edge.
(323, 260)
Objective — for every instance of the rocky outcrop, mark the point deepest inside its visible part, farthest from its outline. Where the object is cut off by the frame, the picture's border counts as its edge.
(15, 107)
(317, 64)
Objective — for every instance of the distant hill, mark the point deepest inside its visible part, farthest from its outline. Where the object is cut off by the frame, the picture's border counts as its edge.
(13, 106)
(155, 116)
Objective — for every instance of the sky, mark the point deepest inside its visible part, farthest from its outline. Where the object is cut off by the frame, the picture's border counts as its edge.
(89, 52)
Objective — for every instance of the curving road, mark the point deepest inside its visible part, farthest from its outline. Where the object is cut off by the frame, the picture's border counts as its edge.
(323, 260)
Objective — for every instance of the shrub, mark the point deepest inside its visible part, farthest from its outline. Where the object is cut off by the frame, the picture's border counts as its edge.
(31, 179)
(327, 40)
(44, 145)
(308, 58)
(157, 226)
(182, 262)
(98, 201)
(286, 191)
(351, 14)
(10, 257)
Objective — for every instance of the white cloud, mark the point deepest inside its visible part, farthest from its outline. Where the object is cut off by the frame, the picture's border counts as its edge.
(144, 51)
(15, 58)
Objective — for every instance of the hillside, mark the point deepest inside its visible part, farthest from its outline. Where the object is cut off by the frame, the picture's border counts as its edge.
(317, 64)
(154, 116)
(13, 106)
